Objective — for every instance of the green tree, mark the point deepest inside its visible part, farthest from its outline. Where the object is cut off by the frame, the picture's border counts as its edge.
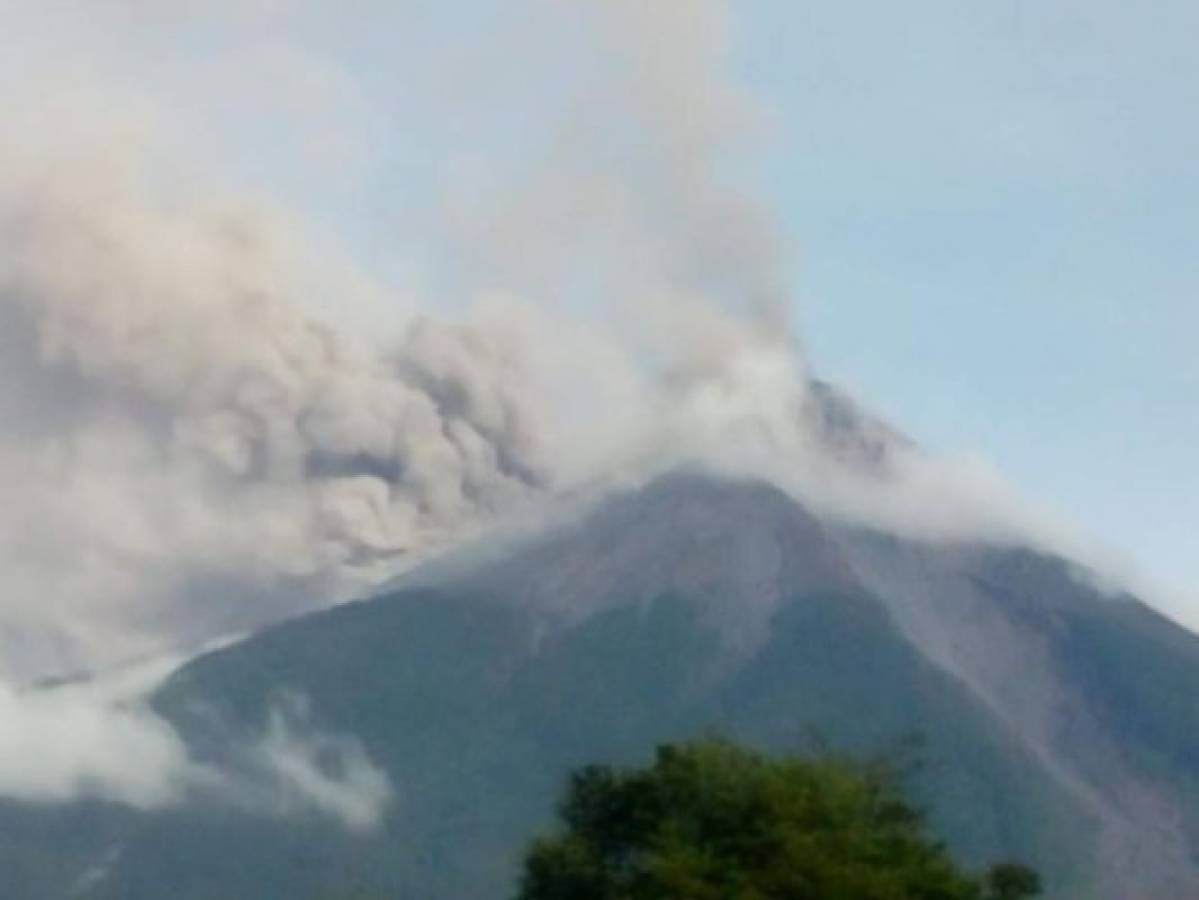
(1012, 881)
(713, 821)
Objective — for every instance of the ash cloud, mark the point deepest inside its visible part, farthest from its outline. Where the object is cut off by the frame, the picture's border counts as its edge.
(185, 411)
(174, 413)
(214, 413)
(197, 434)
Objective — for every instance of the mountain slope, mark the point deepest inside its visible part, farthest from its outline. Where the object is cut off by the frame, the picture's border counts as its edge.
(1056, 723)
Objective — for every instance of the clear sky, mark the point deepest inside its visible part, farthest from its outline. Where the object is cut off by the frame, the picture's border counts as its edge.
(993, 213)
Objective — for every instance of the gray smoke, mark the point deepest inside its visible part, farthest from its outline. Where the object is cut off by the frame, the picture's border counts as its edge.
(172, 413)
(190, 440)
(214, 414)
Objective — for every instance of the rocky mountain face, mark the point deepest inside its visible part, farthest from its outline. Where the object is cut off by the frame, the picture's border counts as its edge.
(1055, 724)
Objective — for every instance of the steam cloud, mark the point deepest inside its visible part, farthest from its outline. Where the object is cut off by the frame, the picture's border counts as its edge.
(80, 740)
(98, 739)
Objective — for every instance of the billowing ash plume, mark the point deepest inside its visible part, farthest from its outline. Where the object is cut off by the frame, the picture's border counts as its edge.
(197, 432)
(172, 413)
(189, 441)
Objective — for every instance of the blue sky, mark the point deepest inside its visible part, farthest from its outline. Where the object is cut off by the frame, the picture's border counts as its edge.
(992, 210)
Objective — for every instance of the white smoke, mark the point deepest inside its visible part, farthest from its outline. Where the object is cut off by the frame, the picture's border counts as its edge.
(298, 768)
(93, 740)
(99, 739)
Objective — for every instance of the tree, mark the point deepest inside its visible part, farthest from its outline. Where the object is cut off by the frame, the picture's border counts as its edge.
(713, 821)
(1012, 881)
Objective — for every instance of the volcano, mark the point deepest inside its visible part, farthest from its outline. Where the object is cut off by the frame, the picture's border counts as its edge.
(1051, 722)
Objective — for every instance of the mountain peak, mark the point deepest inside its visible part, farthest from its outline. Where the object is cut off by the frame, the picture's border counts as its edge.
(737, 547)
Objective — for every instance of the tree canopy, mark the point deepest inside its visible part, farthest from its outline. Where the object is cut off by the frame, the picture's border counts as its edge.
(709, 820)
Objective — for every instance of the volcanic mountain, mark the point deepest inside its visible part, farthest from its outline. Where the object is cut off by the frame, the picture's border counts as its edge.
(1054, 723)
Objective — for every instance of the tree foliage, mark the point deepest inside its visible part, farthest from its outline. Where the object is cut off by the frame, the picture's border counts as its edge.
(713, 821)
